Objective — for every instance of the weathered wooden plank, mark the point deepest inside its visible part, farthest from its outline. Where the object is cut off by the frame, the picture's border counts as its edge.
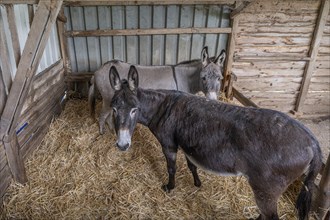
(280, 17)
(13, 33)
(319, 84)
(282, 6)
(287, 65)
(317, 103)
(259, 73)
(45, 17)
(40, 113)
(127, 2)
(270, 40)
(41, 128)
(291, 50)
(317, 36)
(278, 57)
(42, 92)
(43, 77)
(146, 31)
(287, 84)
(321, 72)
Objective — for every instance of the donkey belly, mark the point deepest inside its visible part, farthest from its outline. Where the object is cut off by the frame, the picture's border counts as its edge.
(214, 164)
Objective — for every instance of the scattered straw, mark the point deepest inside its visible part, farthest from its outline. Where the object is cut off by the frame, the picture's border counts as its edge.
(78, 174)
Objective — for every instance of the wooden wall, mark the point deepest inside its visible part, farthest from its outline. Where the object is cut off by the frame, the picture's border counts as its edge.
(272, 48)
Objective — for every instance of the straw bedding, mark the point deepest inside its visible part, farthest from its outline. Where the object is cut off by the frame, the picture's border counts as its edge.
(77, 174)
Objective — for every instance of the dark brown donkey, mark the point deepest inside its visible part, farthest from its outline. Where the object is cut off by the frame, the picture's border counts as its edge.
(268, 147)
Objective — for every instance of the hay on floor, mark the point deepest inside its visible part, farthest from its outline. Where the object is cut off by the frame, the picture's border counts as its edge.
(78, 174)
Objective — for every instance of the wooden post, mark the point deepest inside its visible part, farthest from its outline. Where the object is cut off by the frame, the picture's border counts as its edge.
(63, 41)
(317, 37)
(43, 21)
(323, 196)
(234, 20)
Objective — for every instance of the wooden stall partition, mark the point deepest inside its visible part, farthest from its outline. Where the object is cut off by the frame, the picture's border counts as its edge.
(11, 158)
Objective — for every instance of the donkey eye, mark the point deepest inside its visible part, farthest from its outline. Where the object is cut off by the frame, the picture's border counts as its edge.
(203, 78)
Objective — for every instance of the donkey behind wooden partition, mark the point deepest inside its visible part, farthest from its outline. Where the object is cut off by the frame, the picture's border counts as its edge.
(268, 147)
(190, 76)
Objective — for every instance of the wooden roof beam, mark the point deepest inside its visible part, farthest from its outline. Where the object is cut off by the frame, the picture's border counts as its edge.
(127, 2)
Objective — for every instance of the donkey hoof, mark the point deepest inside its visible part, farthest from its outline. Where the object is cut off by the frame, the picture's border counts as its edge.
(166, 188)
(198, 183)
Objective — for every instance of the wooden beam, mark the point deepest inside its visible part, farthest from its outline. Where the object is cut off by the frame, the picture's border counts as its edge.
(15, 160)
(44, 19)
(151, 31)
(323, 196)
(230, 51)
(13, 33)
(310, 66)
(270, 58)
(242, 99)
(31, 14)
(63, 41)
(127, 2)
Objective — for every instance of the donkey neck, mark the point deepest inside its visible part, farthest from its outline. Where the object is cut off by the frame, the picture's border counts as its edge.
(149, 103)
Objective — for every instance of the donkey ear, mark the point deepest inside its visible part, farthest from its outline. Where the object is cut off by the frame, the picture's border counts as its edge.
(133, 78)
(205, 57)
(221, 58)
(114, 78)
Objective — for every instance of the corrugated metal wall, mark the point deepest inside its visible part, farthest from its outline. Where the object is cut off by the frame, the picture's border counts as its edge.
(52, 51)
(89, 53)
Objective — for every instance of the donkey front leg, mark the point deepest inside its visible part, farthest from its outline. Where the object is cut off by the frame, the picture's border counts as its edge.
(170, 155)
(103, 116)
(193, 170)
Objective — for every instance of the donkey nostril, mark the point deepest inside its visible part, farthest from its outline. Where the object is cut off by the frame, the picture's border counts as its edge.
(123, 147)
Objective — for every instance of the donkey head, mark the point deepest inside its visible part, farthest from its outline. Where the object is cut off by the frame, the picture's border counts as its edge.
(211, 74)
(125, 105)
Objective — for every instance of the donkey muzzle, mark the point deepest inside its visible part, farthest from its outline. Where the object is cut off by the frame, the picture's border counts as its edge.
(124, 139)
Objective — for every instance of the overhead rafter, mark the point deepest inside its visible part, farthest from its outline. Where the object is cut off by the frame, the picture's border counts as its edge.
(313, 52)
(43, 21)
(126, 2)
